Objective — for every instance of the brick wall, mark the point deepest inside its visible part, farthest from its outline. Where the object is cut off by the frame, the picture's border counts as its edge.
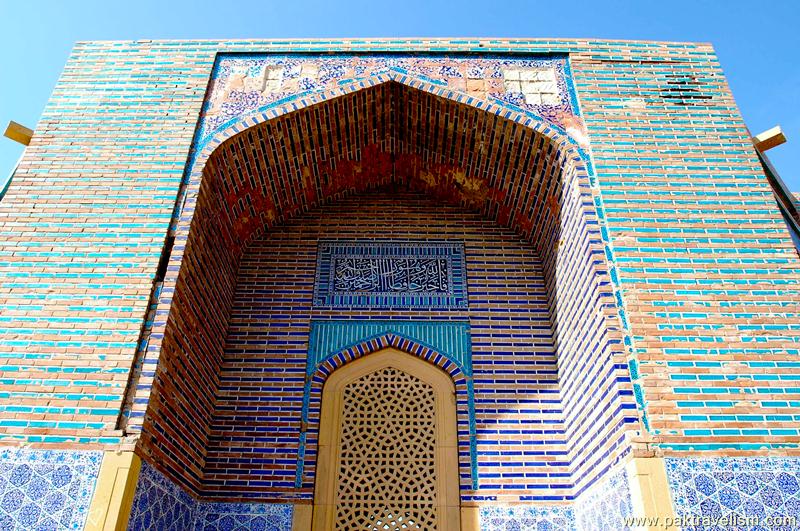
(254, 438)
(707, 272)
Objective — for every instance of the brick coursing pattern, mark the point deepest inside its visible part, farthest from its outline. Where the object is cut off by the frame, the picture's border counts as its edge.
(708, 273)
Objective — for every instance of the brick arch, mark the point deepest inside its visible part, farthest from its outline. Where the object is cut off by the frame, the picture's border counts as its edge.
(511, 169)
(301, 101)
(267, 211)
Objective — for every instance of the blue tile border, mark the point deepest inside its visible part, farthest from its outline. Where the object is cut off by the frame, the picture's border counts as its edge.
(390, 274)
(603, 507)
(446, 344)
(527, 518)
(212, 516)
(46, 489)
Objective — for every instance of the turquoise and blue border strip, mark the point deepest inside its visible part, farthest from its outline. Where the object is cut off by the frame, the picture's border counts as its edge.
(446, 344)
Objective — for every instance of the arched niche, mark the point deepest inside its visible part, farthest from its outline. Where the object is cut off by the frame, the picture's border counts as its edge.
(514, 171)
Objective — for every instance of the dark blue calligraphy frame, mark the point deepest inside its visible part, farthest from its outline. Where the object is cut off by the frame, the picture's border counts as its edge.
(394, 254)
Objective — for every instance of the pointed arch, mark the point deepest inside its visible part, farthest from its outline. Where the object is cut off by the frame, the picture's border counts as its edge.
(421, 484)
(456, 363)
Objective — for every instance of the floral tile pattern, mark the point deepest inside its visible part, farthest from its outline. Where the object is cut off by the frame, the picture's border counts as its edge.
(527, 518)
(748, 489)
(242, 517)
(46, 489)
(602, 507)
(161, 504)
(605, 505)
(243, 84)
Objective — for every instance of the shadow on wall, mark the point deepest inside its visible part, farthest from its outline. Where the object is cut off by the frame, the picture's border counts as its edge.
(396, 137)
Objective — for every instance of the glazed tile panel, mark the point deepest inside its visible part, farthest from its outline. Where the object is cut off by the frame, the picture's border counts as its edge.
(701, 253)
(160, 504)
(47, 490)
(242, 85)
(750, 492)
(603, 507)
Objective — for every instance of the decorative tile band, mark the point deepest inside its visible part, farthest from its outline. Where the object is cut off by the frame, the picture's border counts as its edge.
(243, 84)
(601, 508)
(523, 518)
(445, 344)
(210, 516)
(386, 274)
(46, 489)
(747, 491)
(161, 504)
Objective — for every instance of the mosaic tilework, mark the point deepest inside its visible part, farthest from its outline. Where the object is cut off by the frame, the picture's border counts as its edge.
(446, 344)
(161, 504)
(450, 339)
(46, 489)
(242, 517)
(605, 504)
(243, 85)
(754, 488)
(527, 518)
(375, 274)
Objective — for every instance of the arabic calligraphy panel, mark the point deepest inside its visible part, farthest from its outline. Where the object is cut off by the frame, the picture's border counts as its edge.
(382, 274)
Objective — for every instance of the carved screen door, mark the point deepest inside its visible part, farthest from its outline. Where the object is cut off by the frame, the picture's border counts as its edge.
(388, 456)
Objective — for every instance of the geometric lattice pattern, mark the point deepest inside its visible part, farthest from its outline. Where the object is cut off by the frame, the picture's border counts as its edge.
(748, 490)
(46, 489)
(387, 470)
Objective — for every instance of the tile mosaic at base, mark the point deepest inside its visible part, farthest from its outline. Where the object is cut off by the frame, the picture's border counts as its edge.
(46, 490)
(161, 504)
(605, 505)
(751, 492)
(242, 517)
(530, 518)
(601, 508)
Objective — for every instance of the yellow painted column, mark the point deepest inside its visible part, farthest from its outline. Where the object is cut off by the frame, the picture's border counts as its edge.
(113, 493)
(470, 518)
(301, 517)
(650, 494)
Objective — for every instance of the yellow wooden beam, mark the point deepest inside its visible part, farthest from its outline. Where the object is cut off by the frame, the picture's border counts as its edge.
(769, 139)
(18, 133)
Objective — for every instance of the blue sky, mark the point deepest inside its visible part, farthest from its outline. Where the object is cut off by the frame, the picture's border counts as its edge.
(757, 42)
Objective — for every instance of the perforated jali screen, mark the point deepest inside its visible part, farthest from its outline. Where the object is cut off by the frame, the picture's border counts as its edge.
(387, 467)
